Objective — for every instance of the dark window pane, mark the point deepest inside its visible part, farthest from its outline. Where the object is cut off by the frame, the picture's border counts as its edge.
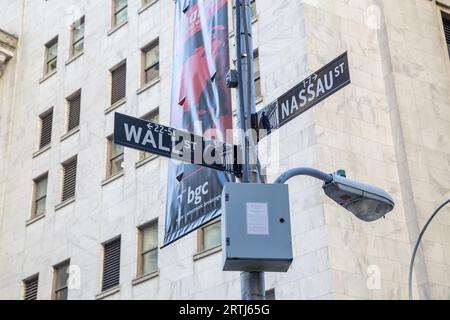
(40, 207)
(212, 236)
(60, 281)
(150, 262)
(153, 117)
(62, 294)
(151, 73)
(51, 55)
(78, 47)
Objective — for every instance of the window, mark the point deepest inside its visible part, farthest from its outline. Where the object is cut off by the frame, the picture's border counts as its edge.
(77, 45)
(40, 196)
(69, 179)
(257, 74)
(270, 294)
(73, 111)
(253, 8)
(111, 264)
(118, 83)
(253, 13)
(115, 158)
(145, 2)
(51, 56)
(446, 24)
(153, 117)
(120, 14)
(46, 129)
(150, 63)
(60, 279)
(148, 249)
(31, 288)
(210, 237)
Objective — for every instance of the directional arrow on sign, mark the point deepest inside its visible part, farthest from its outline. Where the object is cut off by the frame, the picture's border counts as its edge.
(175, 144)
(314, 89)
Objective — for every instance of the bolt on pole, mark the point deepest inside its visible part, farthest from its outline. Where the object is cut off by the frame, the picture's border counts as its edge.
(252, 283)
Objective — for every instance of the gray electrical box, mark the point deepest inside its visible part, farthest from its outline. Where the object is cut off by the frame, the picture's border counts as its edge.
(256, 227)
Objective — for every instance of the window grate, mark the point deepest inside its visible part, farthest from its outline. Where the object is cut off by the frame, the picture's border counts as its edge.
(446, 23)
(118, 83)
(74, 103)
(46, 129)
(111, 265)
(31, 288)
(69, 180)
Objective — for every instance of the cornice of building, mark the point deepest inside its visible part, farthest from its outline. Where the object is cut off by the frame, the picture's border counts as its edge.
(8, 45)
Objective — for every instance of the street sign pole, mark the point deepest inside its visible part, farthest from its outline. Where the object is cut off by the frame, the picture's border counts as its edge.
(252, 283)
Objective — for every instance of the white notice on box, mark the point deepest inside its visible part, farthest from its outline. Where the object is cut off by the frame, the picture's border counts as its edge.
(257, 219)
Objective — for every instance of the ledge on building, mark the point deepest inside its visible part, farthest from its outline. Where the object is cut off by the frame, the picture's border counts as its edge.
(259, 100)
(41, 151)
(35, 219)
(116, 105)
(113, 178)
(107, 293)
(146, 6)
(145, 278)
(117, 27)
(8, 45)
(73, 58)
(143, 162)
(148, 85)
(207, 253)
(69, 134)
(65, 204)
(48, 76)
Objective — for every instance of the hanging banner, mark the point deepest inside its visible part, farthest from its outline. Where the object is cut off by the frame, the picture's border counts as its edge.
(201, 104)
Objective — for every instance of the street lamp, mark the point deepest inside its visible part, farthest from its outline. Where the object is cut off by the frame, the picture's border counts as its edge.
(366, 202)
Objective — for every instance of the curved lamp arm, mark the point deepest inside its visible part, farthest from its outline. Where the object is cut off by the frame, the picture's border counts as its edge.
(302, 171)
(411, 266)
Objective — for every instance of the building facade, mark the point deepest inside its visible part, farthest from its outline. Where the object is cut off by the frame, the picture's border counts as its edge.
(73, 203)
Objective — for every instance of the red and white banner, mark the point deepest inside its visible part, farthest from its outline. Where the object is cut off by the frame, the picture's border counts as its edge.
(201, 104)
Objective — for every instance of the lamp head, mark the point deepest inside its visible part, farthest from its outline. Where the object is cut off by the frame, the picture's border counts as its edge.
(366, 202)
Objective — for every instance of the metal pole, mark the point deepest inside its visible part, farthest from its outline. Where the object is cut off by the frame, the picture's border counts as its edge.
(416, 247)
(302, 171)
(252, 283)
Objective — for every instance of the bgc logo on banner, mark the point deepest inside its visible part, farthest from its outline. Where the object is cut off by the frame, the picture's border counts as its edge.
(195, 196)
